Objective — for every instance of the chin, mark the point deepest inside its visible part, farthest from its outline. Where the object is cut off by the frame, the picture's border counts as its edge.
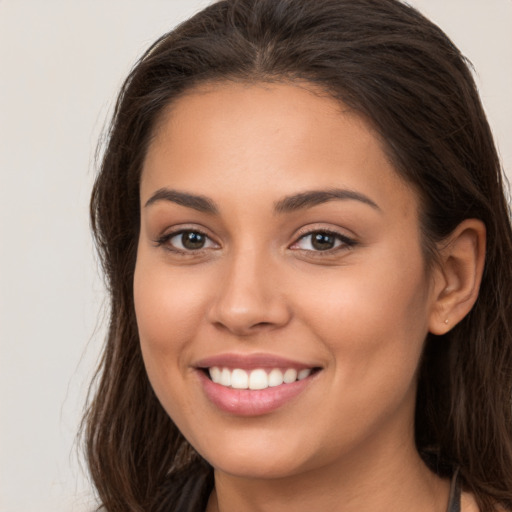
(271, 456)
(251, 467)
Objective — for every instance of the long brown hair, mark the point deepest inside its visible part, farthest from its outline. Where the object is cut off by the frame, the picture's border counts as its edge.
(404, 76)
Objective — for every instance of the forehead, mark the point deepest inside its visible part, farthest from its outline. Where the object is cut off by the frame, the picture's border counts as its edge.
(266, 138)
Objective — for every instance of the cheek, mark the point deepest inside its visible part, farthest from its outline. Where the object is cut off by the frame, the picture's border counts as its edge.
(168, 312)
(374, 324)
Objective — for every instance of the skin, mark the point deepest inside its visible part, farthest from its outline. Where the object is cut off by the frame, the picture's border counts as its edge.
(360, 312)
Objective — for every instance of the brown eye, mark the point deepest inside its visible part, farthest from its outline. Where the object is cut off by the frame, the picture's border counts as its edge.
(318, 241)
(187, 241)
(323, 241)
(192, 240)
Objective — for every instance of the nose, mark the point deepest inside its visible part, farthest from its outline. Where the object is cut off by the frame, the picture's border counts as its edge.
(249, 298)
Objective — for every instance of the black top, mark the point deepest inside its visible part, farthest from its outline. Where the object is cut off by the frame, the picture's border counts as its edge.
(455, 494)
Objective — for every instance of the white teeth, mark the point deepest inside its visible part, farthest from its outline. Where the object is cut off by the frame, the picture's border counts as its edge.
(239, 379)
(304, 373)
(215, 374)
(290, 376)
(225, 377)
(256, 379)
(275, 378)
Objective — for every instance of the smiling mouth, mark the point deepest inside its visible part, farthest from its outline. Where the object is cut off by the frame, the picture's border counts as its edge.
(258, 378)
(254, 384)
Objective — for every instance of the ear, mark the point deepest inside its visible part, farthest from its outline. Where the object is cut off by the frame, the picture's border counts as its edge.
(457, 275)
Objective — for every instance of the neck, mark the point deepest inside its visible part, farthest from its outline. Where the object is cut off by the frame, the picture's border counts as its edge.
(386, 480)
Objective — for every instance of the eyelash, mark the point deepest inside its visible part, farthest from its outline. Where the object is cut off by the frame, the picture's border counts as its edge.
(165, 241)
(343, 242)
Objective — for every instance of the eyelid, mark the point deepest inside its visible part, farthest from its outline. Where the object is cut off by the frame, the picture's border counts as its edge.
(346, 241)
(164, 239)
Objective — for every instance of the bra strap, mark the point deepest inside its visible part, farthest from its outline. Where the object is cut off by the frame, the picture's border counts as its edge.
(454, 501)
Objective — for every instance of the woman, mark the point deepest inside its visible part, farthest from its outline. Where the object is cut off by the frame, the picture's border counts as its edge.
(301, 217)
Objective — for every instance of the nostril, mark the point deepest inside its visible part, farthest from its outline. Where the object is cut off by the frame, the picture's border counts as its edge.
(262, 324)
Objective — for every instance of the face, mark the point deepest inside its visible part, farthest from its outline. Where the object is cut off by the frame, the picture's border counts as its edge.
(280, 289)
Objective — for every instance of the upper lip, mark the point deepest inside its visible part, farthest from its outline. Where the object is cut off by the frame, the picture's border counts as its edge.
(252, 361)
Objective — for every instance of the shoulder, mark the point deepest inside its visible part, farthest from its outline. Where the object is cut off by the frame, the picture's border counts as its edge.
(468, 503)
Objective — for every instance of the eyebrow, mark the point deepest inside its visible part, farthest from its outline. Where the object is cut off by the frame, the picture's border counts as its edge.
(199, 203)
(312, 198)
(292, 203)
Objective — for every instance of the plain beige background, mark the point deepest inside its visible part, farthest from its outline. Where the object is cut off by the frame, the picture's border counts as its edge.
(61, 63)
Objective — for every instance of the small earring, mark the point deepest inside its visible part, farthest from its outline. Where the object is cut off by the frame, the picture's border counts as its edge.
(446, 321)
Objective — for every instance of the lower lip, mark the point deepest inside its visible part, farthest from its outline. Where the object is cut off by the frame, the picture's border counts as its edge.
(246, 402)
